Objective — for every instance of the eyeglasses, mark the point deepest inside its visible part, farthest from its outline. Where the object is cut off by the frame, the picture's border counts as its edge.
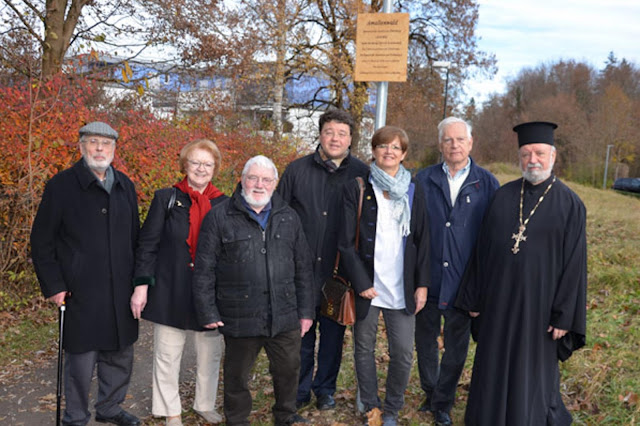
(264, 180)
(93, 143)
(331, 134)
(384, 146)
(197, 164)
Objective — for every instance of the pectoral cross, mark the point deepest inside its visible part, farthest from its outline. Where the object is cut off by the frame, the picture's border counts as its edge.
(518, 237)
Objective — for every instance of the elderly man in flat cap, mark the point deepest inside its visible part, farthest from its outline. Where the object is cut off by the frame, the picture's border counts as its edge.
(526, 287)
(82, 244)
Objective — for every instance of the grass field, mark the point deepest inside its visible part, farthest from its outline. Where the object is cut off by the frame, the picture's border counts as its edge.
(600, 383)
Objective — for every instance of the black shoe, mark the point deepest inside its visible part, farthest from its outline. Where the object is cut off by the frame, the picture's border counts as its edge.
(122, 418)
(326, 402)
(442, 418)
(301, 404)
(297, 418)
(425, 406)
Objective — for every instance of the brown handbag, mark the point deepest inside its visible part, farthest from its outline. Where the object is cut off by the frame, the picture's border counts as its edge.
(338, 299)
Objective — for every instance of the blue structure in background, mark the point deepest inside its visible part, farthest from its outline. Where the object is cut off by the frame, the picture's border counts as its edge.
(306, 91)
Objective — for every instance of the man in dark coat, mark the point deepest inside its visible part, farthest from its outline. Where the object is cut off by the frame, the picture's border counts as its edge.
(253, 281)
(313, 186)
(526, 284)
(458, 192)
(82, 245)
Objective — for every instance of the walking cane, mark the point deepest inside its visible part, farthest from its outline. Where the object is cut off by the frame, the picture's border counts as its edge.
(60, 358)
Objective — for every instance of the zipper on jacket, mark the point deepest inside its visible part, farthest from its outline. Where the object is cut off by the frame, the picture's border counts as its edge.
(463, 187)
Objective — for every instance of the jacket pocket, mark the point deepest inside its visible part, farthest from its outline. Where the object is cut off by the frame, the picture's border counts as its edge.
(286, 297)
(233, 302)
(284, 228)
(234, 291)
(237, 248)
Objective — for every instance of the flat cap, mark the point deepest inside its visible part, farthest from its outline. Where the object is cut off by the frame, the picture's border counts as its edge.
(535, 132)
(98, 128)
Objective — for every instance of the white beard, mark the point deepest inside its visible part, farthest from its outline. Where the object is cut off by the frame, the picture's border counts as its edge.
(99, 166)
(537, 176)
(253, 202)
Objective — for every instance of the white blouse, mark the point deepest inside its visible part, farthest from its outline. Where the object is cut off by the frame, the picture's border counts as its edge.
(388, 260)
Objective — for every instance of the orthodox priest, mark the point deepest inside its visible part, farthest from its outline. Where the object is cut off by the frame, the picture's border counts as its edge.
(526, 287)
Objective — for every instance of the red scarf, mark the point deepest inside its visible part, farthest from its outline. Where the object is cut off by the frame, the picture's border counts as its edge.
(200, 205)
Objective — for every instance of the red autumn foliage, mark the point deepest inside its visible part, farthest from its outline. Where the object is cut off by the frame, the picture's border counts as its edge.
(39, 124)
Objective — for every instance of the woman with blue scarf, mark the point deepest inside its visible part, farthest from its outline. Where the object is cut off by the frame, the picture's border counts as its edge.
(389, 271)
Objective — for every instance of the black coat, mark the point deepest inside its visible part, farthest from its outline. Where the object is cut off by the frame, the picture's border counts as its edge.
(259, 283)
(359, 264)
(163, 258)
(316, 195)
(83, 241)
(515, 378)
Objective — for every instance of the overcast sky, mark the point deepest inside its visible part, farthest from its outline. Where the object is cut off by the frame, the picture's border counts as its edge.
(526, 33)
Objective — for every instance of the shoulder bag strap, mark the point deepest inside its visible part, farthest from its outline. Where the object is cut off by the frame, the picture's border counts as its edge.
(172, 200)
(360, 200)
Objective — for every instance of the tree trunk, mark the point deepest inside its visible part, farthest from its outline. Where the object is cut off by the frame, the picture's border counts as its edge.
(279, 83)
(59, 26)
(358, 98)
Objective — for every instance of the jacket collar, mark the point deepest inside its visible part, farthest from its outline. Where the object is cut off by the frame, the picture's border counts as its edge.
(440, 179)
(317, 158)
(86, 176)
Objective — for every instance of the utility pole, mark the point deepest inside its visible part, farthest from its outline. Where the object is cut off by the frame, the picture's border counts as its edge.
(383, 87)
(445, 65)
(606, 167)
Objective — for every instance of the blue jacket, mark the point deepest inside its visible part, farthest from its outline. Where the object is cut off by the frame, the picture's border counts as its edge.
(453, 230)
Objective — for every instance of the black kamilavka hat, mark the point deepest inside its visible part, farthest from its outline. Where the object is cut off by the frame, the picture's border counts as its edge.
(535, 132)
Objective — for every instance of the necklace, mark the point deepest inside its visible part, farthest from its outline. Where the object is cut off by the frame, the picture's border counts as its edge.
(520, 237)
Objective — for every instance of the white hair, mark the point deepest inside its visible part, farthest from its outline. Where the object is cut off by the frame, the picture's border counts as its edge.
(262, 161)
(452, 120)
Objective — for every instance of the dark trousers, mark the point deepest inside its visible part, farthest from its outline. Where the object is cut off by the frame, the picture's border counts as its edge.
(439, 379)
(329, 358)
(283, 352)
(114, 373)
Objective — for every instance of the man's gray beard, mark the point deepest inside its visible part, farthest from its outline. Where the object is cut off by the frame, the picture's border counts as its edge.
(253, 202)
(100, 168)
(535, 177)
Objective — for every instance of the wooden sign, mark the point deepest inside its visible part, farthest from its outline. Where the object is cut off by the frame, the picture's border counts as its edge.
(382, 46)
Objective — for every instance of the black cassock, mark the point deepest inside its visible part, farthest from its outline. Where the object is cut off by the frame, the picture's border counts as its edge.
(515, 379)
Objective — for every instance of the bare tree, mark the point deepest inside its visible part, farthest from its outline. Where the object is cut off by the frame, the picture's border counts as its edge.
(49, 29)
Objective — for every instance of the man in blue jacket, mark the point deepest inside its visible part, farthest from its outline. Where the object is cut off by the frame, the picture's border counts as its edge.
(458, 193)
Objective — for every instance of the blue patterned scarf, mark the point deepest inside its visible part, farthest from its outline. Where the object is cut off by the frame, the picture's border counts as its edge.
(397, 187)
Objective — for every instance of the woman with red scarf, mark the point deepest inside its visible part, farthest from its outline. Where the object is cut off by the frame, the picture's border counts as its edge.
(164, 264)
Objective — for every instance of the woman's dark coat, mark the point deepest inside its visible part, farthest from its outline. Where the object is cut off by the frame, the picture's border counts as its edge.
(83, 241)
(358, 265)
(163, 258)
(259, 283)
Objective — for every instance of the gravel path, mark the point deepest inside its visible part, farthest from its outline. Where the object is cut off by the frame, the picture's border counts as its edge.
(30, 399)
